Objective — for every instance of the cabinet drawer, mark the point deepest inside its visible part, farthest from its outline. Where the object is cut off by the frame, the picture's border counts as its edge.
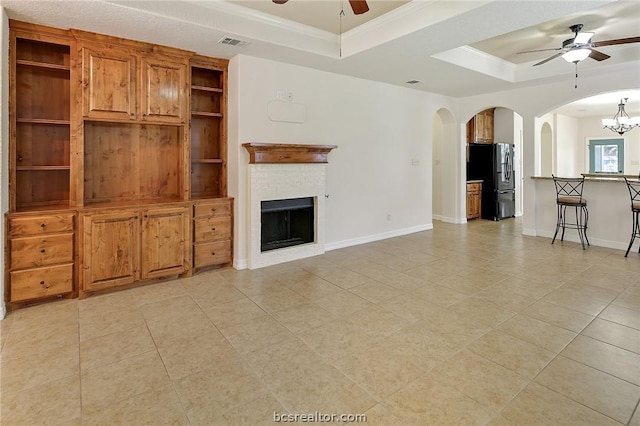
(35, 225)
(213, 208)
(471, 187)
(212, 229)
(41, 282)
(41, 250)
(212, 253)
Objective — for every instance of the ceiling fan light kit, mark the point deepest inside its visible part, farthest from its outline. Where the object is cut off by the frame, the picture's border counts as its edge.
(576, 55)
(621, 122)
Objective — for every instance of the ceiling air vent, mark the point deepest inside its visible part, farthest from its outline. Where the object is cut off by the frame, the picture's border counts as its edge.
(233, 42)
(413, 82)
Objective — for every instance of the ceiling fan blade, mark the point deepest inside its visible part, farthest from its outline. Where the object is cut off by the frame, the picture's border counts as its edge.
(616, 41)
(598, 56)
(359, 6)
(549, 58)
(540, 50)
(280, 1)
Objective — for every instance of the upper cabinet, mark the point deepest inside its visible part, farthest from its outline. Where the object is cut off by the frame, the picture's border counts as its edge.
(480, 127)
(108, 83)
(122, 83)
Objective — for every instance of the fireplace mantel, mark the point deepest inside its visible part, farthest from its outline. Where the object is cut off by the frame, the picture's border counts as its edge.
(287, 153)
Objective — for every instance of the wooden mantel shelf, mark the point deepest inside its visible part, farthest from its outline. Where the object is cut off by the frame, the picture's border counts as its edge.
(287, 153)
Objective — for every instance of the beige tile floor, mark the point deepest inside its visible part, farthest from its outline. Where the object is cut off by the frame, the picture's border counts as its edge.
(465, 324)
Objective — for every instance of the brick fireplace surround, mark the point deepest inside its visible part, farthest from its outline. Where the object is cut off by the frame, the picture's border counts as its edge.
(281, 171)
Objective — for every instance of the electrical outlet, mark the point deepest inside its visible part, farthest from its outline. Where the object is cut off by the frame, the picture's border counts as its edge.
(280, 95)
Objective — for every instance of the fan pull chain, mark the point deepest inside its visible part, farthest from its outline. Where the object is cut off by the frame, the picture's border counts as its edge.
(576, 80)
(340, 29)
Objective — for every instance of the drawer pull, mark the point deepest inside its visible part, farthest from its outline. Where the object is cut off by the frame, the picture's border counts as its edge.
(213, 210)
(43, 284)
(213, 253)
(213, 229)
(42, 250)
(42, 225)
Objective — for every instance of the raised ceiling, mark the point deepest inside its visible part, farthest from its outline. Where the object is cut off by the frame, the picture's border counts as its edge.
(456, 48)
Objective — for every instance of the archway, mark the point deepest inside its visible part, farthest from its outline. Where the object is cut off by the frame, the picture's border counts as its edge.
(444, 170)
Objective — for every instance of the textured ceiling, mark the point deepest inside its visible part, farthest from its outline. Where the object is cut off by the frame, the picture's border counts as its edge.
(457, 48)
(323, 14)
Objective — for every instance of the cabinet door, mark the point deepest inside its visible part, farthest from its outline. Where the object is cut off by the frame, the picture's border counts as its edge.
(108, 83)
(479, 127)
(165, 239)
(164, 89)
(488, 126)
(111, 247)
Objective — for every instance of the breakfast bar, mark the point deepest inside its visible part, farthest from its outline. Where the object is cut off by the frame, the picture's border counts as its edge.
(610, 218)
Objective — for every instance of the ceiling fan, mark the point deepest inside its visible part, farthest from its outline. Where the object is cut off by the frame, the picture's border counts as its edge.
(358, 6)
(580, 47)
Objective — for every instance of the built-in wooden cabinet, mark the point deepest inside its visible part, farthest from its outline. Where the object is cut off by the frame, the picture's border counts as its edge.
(40, 119)
(40, 255)
(480, 127)
(474, 200)
(120, 83)
(139, 245)
(127, 139)
(212, 232)
(110, 249)
(208, 127)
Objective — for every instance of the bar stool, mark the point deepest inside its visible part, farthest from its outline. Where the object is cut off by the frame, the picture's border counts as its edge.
(569, 194)
(634, 193)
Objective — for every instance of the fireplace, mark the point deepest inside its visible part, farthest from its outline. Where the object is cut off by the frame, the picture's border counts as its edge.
(286, 223)
(288, 181)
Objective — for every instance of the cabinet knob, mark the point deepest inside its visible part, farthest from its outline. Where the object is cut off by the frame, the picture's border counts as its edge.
(213, 253)
(213, 210)
(43, 284)
(213, 229)
(20, 158)
(42, 225)
(42, 250)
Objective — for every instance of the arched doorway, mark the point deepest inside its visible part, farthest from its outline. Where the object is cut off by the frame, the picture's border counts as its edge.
(444, 170)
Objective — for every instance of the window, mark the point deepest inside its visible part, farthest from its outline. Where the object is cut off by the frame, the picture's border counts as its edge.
(606, 155)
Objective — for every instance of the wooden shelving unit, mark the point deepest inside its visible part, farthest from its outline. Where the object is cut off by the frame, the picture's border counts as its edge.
(120, 146)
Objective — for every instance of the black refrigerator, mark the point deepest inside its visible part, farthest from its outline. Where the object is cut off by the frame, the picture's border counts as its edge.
(493, 164)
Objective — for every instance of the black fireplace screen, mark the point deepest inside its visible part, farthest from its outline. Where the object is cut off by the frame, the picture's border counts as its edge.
(286, 223)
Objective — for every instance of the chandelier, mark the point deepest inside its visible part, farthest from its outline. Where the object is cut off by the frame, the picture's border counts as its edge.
(621, 122)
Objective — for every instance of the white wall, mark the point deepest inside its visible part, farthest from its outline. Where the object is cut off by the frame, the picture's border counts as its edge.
(380, 130)
(437, 191)
(568, 146)
(4, 139)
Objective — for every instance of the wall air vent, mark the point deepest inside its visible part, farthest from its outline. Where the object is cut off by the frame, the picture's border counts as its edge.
(233, 42)
(413, 82)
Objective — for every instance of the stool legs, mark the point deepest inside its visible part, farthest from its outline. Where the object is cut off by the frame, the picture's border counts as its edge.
(582, 219)
(635, 231)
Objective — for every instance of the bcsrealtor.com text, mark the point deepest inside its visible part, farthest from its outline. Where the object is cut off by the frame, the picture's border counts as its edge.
(318, 417)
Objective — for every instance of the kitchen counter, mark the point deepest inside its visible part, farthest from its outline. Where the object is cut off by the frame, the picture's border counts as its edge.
(609, 207)
(475, 181)
(597, 177)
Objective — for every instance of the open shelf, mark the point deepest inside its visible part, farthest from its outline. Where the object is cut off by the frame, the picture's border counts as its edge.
(206, 114)
(208, 161)
(42, 168)
(207, 89)
(42, 65)
(43, 121)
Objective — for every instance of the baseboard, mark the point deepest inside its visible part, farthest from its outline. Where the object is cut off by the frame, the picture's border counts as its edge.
(3, 311)
(377, 237)
(447, 219)
(240, 264)
(593, 241)
(530, 232)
